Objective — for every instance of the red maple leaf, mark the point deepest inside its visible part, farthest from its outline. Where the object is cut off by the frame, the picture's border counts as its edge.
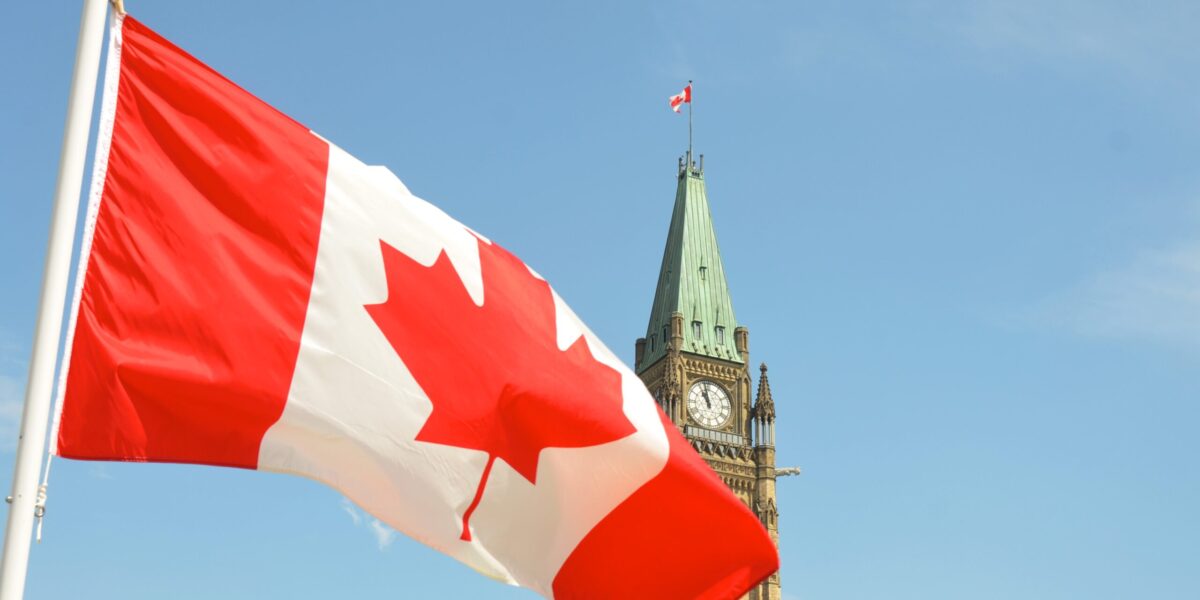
(494, 373)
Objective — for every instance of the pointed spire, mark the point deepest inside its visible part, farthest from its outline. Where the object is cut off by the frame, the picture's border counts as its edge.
(764, 405)
(691, 280)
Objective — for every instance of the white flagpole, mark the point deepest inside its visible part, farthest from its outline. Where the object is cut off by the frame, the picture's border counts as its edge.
(31, 444)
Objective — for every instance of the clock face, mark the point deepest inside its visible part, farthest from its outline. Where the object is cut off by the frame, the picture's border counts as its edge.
(709, 405)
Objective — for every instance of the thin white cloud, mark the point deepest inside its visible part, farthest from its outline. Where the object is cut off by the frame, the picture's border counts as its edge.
(12, 391)
(99, 471)
(384, 535)
(1154, 297)
(12, 397)
(1149, 50)
(1153, 42)
(349, 508)
(10, 356)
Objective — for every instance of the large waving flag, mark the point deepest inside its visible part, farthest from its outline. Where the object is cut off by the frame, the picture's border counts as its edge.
(252, 296)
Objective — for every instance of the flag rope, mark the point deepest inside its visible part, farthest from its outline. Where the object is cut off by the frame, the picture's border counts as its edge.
(39, 509)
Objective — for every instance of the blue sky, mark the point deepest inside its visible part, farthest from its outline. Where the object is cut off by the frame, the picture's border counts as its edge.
(964, 235)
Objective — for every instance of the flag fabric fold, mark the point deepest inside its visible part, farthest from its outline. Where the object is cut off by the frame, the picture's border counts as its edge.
(251, 295)
(678, 100)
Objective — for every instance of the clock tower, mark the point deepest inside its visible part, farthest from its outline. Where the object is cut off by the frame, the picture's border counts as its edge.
(695, 360)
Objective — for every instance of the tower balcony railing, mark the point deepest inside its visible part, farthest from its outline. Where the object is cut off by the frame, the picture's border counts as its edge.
(722, 437)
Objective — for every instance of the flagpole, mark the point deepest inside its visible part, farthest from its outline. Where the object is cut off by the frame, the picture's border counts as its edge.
(31, 443)
(691, 101)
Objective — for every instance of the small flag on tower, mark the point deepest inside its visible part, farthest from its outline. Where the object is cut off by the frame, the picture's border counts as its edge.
(684, 97)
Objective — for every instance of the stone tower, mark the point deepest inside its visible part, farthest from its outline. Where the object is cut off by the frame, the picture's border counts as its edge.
(695, 360)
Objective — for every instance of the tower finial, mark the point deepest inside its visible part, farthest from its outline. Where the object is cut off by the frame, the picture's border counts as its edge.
(763, 403)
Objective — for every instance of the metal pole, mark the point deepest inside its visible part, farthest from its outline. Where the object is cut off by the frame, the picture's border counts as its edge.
(691, 94)
(34, 420)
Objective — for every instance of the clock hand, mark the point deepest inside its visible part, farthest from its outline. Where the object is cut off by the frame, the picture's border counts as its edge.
(706, 400)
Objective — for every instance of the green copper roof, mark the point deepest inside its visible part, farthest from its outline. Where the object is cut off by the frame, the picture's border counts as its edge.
(691, 281)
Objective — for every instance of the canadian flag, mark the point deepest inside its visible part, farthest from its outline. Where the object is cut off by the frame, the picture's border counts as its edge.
(252, 296)
(678, 100)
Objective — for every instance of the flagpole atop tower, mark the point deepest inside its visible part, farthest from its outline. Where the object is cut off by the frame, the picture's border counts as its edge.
(691, 102)
(31, 443)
